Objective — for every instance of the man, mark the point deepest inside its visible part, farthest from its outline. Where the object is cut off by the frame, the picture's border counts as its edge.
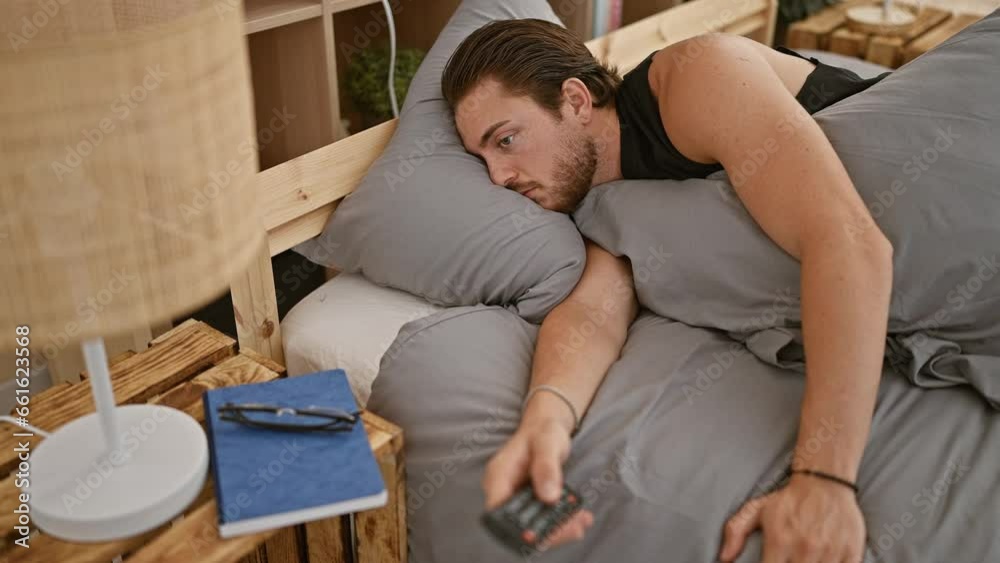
(551, 122)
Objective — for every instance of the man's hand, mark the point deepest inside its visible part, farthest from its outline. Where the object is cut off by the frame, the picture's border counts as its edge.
(536, 450)
(808, 521)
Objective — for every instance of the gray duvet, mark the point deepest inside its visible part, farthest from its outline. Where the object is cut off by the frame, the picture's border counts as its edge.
(686, 426)
(701, 411)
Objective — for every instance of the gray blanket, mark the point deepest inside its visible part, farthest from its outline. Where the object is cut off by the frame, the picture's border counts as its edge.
(685, 428)
(923, 151)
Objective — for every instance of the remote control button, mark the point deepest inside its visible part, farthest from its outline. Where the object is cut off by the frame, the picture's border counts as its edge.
(529, 512)
(529, 536)
(517, 502)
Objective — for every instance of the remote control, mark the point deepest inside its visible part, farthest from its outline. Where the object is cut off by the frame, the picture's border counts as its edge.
(524, 521)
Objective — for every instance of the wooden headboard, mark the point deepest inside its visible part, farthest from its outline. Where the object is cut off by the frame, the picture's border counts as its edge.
(299, 195)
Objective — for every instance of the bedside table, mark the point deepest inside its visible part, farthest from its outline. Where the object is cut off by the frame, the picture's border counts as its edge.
(175, 370)
(827, 30)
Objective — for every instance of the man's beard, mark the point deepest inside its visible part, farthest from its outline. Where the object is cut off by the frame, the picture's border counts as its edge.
(576, 164)
(575, 168)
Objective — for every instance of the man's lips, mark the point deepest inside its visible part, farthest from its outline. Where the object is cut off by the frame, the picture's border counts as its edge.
(527, 191)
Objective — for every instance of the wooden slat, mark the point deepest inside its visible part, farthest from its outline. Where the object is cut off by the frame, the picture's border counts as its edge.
(888, 51)
(111, 361)
(267, 14)
(328, 540)
(9, 501)
(265, 361)
(936, 36)
(196, 538)
(46, 549)
(134, 380)
(847, 42)
(926, 19)
(330, 58)
(748, 26)
(305, 227)
(237, 370)
(771, 15)
(814, 31)
(885, 51)
(258, 555)
(383, 435)
(283, 546)
(344, 5)
(381, 533)
(185, 325)
(298, 186)
(255, 305)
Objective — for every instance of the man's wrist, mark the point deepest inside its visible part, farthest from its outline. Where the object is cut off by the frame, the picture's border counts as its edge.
(814, 481)
(545, 408)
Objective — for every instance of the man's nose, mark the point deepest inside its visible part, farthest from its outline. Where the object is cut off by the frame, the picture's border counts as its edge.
(501, 175)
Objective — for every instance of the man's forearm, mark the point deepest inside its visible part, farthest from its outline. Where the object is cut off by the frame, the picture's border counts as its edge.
(576, 345)
(845, 302)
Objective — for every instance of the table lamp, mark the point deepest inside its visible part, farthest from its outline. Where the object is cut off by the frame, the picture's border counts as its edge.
(127, 198)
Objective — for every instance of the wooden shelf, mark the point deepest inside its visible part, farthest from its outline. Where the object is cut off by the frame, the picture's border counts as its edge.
(344, 5)
(268, 14)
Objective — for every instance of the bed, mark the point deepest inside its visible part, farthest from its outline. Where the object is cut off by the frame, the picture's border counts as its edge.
(687, 424)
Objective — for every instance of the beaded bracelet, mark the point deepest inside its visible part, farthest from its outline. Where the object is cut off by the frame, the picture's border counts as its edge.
(828, 477)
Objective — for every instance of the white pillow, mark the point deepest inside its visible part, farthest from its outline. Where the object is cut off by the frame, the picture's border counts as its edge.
(348, 323)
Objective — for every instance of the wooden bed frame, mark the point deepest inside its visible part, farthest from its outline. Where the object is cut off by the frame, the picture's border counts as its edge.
(300, 195)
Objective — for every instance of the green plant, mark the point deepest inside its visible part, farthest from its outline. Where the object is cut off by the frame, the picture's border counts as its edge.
(795, 10)
(368, 79)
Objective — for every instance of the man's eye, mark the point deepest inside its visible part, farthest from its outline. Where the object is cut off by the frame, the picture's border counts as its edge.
(504, 141)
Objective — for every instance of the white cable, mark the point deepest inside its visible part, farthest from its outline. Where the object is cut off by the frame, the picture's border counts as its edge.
(392, 57)
(19, 424)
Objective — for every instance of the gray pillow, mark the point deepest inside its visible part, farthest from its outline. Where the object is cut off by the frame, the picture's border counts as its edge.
(427, 219)
(922, 150)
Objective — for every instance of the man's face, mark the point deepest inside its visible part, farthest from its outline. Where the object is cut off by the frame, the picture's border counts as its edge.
(550, 161)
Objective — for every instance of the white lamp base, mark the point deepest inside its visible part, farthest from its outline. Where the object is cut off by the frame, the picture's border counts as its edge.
(81, 492)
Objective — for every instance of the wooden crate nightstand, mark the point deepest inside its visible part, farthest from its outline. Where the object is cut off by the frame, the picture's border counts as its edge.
(827, 30)
(175, 370)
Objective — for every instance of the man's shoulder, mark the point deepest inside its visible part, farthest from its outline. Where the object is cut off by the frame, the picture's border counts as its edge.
(700, 50)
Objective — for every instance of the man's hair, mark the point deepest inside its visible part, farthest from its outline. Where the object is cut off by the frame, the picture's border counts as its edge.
(529, 57)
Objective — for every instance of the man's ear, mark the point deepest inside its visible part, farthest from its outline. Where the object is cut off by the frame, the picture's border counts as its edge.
(577, 95)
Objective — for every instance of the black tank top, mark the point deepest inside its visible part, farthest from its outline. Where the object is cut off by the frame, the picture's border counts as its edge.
(646, 151)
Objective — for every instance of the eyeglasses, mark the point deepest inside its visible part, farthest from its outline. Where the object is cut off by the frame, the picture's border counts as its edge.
(311, 418)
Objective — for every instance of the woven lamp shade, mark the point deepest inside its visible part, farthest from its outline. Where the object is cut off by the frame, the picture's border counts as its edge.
(127, 168)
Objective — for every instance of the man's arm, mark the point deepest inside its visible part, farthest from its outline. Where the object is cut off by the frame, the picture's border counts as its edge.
(728, 105)
(605, 298)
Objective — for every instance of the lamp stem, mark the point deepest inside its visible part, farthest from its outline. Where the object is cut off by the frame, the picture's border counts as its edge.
(100, 386)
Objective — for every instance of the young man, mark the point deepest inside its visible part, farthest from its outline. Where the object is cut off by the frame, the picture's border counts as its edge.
(551, 122)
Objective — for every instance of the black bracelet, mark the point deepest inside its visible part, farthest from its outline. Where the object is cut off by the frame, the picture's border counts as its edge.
(828, 477)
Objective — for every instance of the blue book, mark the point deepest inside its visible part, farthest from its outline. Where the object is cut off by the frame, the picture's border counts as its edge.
(268, 478)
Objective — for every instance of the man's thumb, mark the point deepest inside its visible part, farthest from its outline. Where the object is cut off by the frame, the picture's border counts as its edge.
(739, 526)
(504, 473)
